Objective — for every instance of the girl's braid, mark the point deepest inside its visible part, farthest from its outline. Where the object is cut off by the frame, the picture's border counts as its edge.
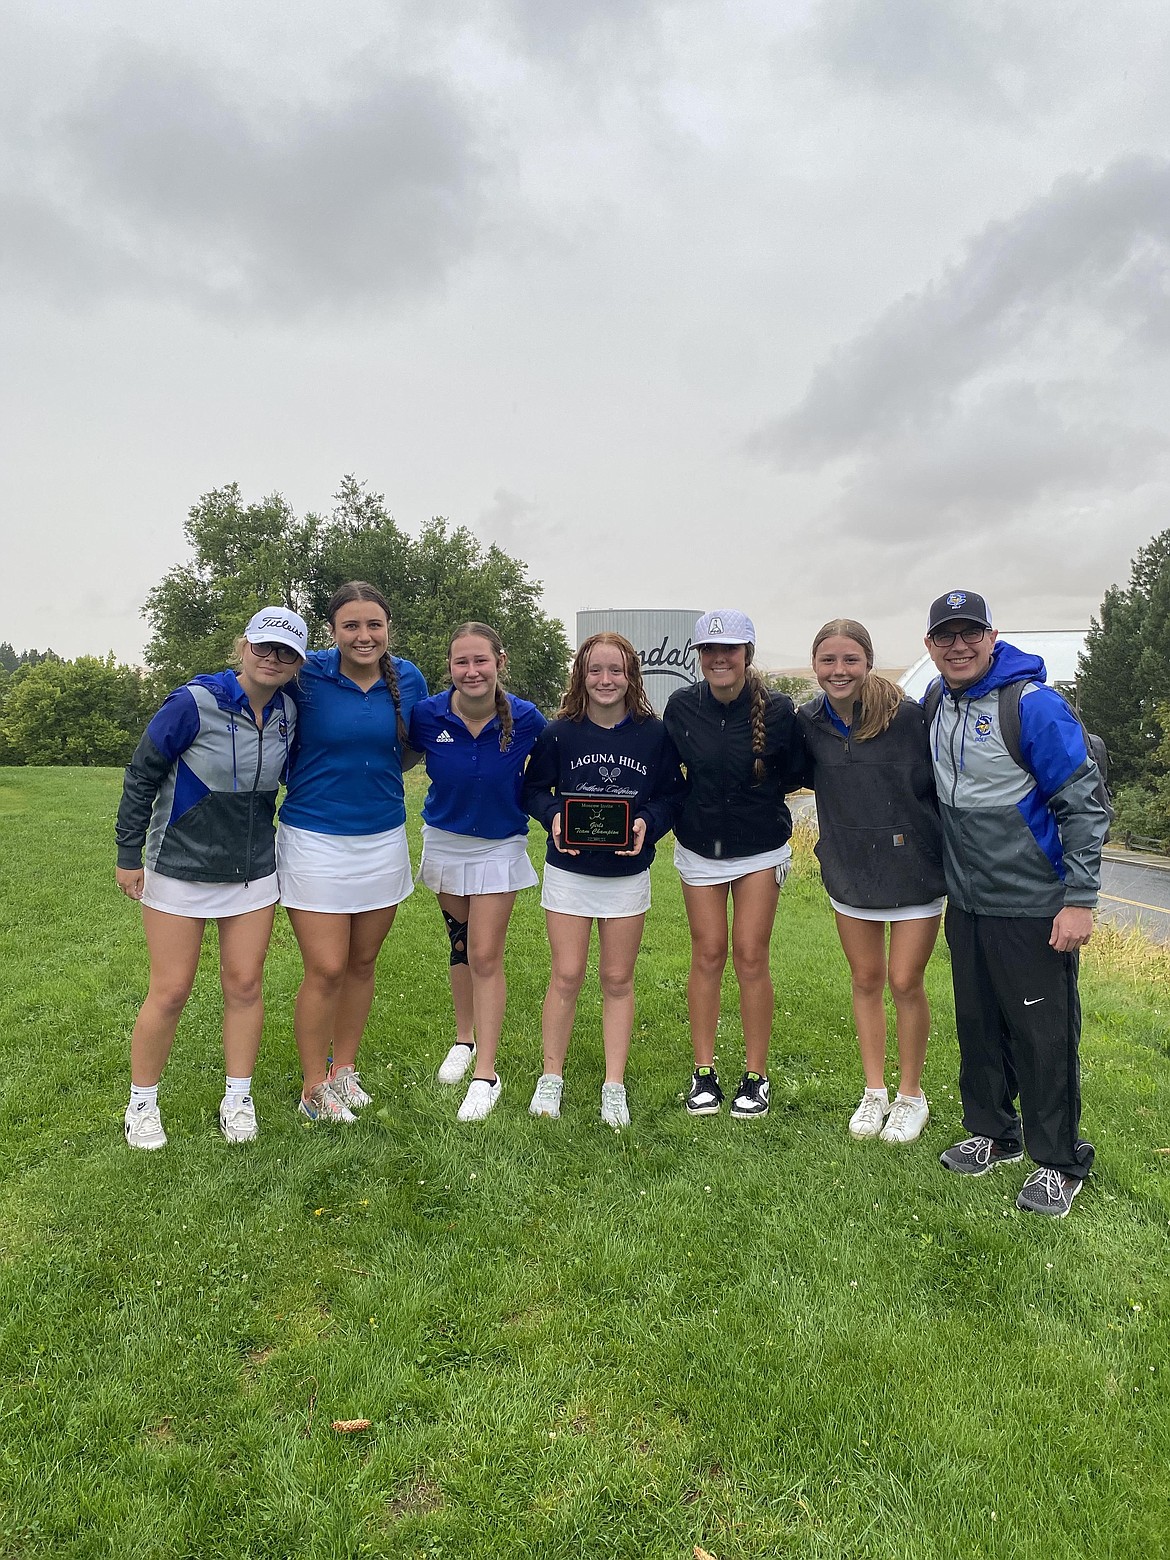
(504, 711)
(759, 734)
(390, 678)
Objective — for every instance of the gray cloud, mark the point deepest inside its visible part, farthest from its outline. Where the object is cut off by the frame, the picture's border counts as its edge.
(933, 46)
(173, 180)
(1091, 245)
(1018, 448)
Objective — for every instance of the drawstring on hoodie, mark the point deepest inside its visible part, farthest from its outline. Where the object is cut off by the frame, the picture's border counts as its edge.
(954, 698)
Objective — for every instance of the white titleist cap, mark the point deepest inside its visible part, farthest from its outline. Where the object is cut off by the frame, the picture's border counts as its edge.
(278, 626)
(724, 628)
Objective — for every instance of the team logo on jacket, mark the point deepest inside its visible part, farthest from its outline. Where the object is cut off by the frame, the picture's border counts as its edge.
(983, 727)
(956, 599)
(282, 728)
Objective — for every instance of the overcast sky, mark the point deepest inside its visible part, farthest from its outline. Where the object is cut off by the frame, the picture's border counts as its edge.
(811, 309)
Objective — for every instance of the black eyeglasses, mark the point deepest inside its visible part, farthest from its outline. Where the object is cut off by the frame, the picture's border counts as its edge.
(944, 638)
(285, 654)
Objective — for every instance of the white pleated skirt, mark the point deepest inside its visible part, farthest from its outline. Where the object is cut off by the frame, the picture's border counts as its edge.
(342, 874)
(599, 898)
(464, 864)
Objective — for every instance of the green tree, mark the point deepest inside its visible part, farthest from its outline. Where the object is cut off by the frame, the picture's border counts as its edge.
(88, 711)
(245, 556)
(797, 688)
(1125, 670)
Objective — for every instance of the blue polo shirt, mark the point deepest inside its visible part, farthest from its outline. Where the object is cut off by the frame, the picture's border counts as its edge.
(345, 770)
(475, 789)
(832, 717)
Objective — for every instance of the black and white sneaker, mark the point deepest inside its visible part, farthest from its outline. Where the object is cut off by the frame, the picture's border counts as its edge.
(705, 1097)
(978, 1155)
(751, 1098)
(1050, 1192)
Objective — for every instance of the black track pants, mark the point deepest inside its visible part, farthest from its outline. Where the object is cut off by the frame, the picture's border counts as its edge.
(1019, 1022)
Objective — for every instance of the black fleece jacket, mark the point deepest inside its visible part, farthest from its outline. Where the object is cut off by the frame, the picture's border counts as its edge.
(880, 842)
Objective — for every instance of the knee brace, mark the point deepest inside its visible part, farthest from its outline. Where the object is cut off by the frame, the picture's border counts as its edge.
(457, 932)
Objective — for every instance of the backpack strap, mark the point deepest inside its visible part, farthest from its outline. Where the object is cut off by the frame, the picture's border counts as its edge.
(931, 700)
(1010, 695)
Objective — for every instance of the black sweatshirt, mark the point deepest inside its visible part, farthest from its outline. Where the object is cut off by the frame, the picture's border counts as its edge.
(880, 840)
(726, 812)
(632, 761)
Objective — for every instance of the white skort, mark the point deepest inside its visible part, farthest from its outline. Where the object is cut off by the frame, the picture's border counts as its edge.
(599, 898)
(699, 871)
(206, 901)
(342, 874)
(893, 913)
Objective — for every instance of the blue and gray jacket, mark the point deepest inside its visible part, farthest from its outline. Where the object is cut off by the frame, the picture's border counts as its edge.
(200, 791)
(1017, 841)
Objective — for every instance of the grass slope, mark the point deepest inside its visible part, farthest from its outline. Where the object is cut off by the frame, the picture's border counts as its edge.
(758, 1338)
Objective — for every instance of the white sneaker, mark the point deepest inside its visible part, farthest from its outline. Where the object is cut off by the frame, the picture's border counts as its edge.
(480, 1099)
(869, 1117)
(238, 1121)
(144, 1128)
(908, 1115)
(546, 1101)
(615, 1111)
(456, 1062)
(347, 1086)
(323, 1105)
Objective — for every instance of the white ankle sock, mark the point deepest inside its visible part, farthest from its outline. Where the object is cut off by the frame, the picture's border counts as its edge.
(236, 1088)
(142, 1098)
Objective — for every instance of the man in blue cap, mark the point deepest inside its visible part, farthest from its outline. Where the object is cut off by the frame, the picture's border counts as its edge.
(1023, 828)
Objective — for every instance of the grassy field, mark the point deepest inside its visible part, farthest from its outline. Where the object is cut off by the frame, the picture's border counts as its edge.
(757, 1338)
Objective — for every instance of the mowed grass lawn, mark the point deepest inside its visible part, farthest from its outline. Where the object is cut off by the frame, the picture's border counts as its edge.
(756, 1338)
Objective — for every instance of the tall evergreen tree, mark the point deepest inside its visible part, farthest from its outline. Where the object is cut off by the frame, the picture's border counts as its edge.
(1125, 669)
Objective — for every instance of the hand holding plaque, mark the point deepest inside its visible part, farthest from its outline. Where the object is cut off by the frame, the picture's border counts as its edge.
(595, 822)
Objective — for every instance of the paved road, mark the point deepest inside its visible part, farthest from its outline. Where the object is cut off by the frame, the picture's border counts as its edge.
(1134, 891)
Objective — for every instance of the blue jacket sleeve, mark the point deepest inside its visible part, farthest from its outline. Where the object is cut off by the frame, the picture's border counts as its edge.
(1052, 746)
(170, 734)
